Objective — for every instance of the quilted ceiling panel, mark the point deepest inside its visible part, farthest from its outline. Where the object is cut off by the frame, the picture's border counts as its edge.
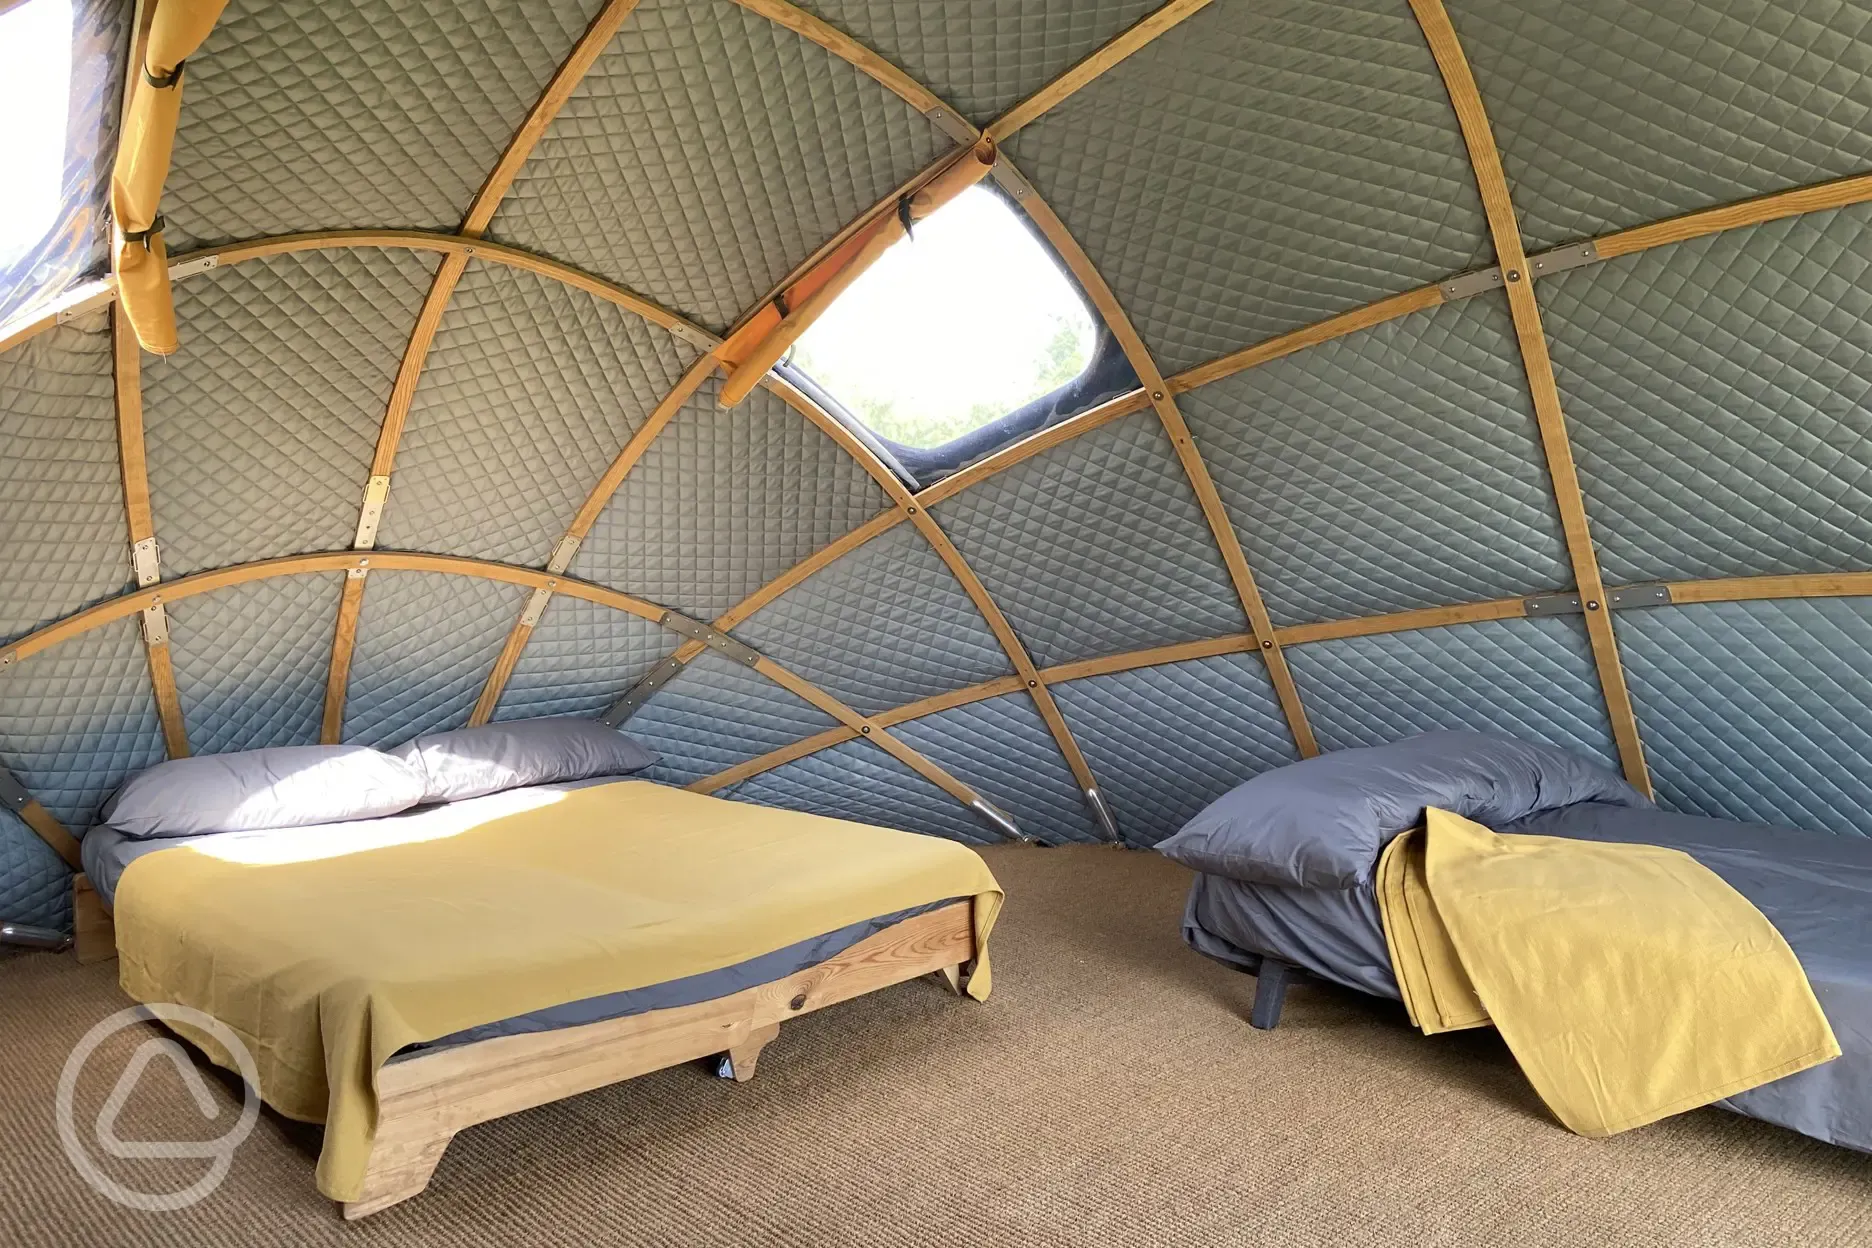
(1096, 546)
(251, 662)
(581, 658)
(1720, 398)
(1755, 710)
(984, 57)
(1612, 113)
(78, 718)
(716, 508)
(1387, 470)
(708, 151)
(717, 714)
(35, 883)
(859, 781)
(1004, 751)
(885, 625)
(61, 498)
(1516, 678)
(1166, 741)
(260, 429)
(425, 645)
(530, 390)
(303, 115)
(1261, 167)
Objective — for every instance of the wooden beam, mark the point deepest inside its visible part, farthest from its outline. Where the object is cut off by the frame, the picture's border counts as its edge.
(1820, 198)
(133, 465)
(1313, 335)
(1755, 588)
(1404, 621)
(1509, 253)
(1028, 447)
(14, 797)
(1220, 527)
(1076, 78)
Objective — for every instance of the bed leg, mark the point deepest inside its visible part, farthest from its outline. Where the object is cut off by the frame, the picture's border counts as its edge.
(398, 1170)
(94, 934)
(1270, 993)
(952, 976)
(744, 1057)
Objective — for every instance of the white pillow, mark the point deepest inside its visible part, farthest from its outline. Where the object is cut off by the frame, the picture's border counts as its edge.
(471, 762)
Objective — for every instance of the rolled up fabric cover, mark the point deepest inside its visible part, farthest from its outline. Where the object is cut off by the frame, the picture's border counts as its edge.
(1322, 823)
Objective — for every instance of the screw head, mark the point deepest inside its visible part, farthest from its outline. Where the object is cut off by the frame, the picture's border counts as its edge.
(1592, 606)
(1514, 275)
(865, 729)
(910, 510)
(1156, 394)
(1267, 645)
(1033, 684)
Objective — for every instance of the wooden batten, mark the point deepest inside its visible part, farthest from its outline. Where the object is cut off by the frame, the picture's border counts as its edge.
(1510, 255)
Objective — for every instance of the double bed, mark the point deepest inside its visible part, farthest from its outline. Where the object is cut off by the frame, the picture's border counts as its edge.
(1816, 889)
(402, 977)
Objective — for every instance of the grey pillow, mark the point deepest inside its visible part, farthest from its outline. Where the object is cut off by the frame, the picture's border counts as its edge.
(471, 762)
(291, 786)
(1321, 823)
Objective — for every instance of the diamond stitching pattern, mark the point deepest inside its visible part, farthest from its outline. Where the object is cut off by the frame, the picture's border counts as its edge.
(1261, 167)
(1395, 468)
(35, 883)
(581, 658)
(717, 714)
(530, 390)
(858, 781)
(1001, 748)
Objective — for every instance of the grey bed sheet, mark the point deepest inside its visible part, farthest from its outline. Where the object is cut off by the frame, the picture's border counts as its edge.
(1815, 888)
(107, 853)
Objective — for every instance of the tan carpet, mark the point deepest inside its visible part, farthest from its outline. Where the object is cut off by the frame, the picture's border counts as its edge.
(1110, 1093)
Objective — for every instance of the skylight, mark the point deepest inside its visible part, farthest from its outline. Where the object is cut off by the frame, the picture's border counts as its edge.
(35, 95)
(951, 329)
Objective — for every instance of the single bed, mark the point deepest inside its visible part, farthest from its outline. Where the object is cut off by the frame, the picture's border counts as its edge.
(1815, 888)
(705, 923)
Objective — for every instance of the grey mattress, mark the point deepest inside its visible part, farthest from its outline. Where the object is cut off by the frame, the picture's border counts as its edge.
(107, 853)
(1815, 888)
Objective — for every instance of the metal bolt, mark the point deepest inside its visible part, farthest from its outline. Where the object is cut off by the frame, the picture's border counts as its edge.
(1156, 394)
(1592, 606)
(911, 510)
(865, 728)
(1267, 645)
(1514, 275)
(1033, 684)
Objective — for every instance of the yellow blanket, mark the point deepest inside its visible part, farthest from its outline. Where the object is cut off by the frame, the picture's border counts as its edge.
(325, 967)
(1630, 982)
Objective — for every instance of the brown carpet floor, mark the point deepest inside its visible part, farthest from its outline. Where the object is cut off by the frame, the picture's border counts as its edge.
(1110, 1093)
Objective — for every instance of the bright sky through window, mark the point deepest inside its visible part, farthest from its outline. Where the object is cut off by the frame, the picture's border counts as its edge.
(952, 329)
(35, 94)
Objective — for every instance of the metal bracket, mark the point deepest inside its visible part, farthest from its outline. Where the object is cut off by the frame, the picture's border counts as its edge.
(712, 637)
(654, 679)
(1553, 604)
(1464, 285)
(1011, 181)
(376, 492)
(13, 794)
(1626, 596)
(358, 571)
(536, 606)
(953, 124)
(1101, 812)
(701, 339)
(562, 554)
(155, 625)
(189, 268)
(146, 561)
(1560, 259)
(999, 820)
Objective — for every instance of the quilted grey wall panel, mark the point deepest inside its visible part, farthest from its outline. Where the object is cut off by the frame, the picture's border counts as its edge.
(1756, 710)
(723, 502)
(1166, 741)
(1720, 397)
(63, 543)
(1096, 546)
(581, 658)
(260, 429)
(1261, 167)
(78, 718)
(707, 152)
(251, 661)
(860, 782)
(35, 883)
(1390, 469)
(301, 115)
(1002, 749)
(1518, 678)
(885, 625)
(426, 643)
(987, 56)
(531, 389)
(1611, 113)
(717, 714)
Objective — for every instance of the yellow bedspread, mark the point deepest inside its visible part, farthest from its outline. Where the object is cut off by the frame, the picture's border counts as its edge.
(1630, 981)
(326, 967)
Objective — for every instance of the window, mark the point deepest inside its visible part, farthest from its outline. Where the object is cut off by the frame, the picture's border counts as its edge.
(953, 329)
(35, 98)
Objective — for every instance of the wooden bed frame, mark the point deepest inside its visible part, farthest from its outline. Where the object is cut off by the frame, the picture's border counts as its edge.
(425, 1099)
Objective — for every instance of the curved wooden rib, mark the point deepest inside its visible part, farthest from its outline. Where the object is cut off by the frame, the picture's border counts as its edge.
(1499, 208)
(1220, 527)
(1148, 28)
(1755, 588)
(1822, 197)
